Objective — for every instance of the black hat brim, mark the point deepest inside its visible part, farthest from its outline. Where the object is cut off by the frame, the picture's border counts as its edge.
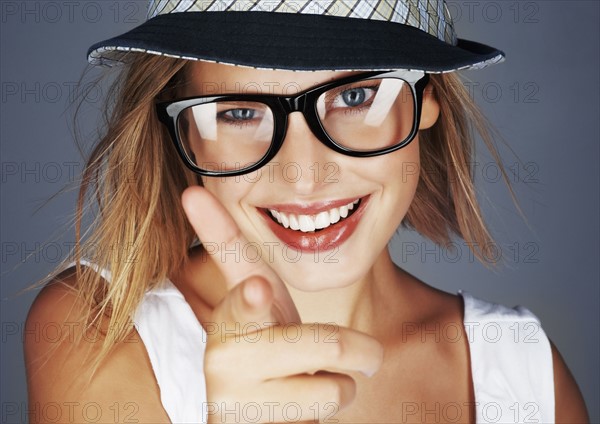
(294, 41)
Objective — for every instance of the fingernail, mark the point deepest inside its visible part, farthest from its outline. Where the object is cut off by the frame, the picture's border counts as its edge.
(370, 373)
(252, 294)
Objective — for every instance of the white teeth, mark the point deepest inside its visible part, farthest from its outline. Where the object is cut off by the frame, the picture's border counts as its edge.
(294, 224)
(334, 215)
(322, 220)
(344, 211)
(308, 223)
(275, 215)
(284, 220)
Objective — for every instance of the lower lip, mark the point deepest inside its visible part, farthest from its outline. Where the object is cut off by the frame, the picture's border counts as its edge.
(327, 239)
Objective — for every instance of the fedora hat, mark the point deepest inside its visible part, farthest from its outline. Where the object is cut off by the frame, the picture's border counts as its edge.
(302, 35)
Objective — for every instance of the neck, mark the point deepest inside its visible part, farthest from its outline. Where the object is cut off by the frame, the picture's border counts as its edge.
(374, 304)
(361, 306)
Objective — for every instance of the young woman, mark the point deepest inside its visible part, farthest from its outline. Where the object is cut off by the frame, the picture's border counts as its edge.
(258, 158)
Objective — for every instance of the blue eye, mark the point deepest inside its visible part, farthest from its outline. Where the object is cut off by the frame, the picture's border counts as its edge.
(354, 97)
(241, 114)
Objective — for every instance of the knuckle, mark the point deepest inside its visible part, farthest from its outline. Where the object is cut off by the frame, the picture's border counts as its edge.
(211, 363)
(333, 391)
(217, 360)
(335, 351)
(339, 390)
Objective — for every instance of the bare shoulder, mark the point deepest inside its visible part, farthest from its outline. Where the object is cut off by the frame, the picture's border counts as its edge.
(58, 373)
(442, 308)
(436, 305)
(434, 316)
(569, 404)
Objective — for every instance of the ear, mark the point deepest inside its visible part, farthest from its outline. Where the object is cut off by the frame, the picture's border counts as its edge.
(430, 110)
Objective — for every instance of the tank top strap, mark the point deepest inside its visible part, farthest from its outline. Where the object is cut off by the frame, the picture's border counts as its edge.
(511, 363)
(175, 343)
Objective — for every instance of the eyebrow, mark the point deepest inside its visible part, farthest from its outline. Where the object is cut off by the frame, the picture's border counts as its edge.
(204, 88)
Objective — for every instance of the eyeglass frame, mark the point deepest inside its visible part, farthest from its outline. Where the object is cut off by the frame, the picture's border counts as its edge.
(168, 113)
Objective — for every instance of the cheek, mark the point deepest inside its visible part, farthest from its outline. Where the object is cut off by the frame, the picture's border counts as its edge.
(397, 171)
(405, 173)
(399, 176)
(396, 177)
(230, 191)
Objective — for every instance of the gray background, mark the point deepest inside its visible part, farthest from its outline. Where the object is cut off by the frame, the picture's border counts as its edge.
(544, 100)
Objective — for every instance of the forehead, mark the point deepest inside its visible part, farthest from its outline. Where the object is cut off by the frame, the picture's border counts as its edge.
(201, 78)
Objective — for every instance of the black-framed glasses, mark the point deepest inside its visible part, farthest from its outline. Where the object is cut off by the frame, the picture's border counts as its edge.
(363, 115)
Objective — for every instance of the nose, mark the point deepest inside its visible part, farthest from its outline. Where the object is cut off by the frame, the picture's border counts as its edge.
(302, 159)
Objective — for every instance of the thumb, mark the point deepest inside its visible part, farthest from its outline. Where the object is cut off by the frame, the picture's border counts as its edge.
(247, 307)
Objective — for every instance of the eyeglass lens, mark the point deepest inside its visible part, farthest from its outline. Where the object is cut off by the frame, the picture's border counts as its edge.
(362, 116)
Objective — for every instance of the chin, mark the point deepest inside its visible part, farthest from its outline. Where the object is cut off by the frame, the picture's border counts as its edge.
(323, 271)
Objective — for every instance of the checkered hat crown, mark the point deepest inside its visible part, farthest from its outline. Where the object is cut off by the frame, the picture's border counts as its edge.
(431, 16)
(302, 35)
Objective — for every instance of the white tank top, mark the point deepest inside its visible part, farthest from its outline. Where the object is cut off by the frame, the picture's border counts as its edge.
(511, 358)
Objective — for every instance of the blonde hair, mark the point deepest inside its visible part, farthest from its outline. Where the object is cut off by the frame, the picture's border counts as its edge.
(135, 178)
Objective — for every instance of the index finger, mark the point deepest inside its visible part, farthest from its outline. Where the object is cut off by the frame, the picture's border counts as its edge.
(213, 223)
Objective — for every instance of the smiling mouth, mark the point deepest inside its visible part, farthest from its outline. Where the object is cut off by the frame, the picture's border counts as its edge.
(316, 222)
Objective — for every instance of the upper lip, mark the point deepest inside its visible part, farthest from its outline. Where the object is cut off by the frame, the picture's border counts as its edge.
(311, 208)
